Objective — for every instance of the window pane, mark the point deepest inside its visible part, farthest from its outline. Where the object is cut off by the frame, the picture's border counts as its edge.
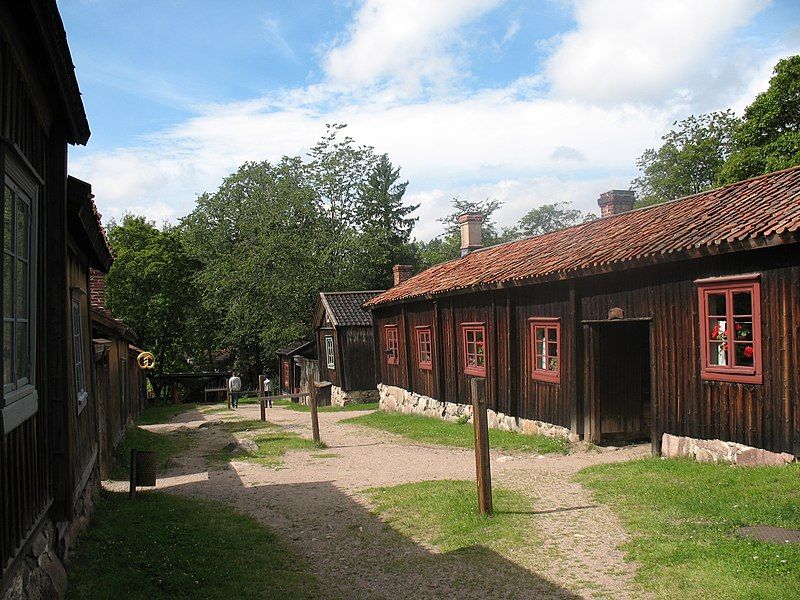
(8, 353)
(479, 335)
(552, 335)
(22, 290)
(23, 359)
(8, 285)
(552, 365)
(8, 219)
(717, 330)
(717, 305)
(744, 355)
(743, 329)
(541, 362)
(742, 303)
(718, 353)
(552, 349)
(23, 229)
(539, 333)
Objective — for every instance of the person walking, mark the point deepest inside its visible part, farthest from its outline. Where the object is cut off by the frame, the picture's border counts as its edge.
(268, 391)
(234, 386)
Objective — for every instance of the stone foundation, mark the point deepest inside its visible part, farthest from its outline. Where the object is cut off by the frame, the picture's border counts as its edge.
(341, 398)
(717, 451)
(395, 399)
(40, 573)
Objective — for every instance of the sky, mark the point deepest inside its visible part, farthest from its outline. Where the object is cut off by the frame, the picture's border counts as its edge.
(526, 101)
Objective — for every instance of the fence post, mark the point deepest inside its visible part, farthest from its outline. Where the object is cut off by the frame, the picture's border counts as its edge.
(481, 426)
(261, 400)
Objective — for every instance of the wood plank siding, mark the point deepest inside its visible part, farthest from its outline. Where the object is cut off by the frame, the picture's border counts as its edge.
(660, 304)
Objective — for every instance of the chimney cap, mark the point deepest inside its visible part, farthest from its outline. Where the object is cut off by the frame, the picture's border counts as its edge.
(615, 202)
(470, 217)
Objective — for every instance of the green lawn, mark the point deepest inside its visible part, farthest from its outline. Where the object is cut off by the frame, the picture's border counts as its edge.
(346, 408)
(445, 433)
(445, 514)
(161, 413)
(161, 546)
(273, 442)
(164, 445)
(682, 516)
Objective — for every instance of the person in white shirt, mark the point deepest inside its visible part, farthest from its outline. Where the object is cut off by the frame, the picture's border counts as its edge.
(267, 390)
(235, 386)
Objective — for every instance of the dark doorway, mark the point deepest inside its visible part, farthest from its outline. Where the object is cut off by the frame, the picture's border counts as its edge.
(618, 382)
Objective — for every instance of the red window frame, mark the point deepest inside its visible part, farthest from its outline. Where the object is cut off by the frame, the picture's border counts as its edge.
(392, 345)
(546, 326)
(478, 346)
(732, 372)
(424, 347)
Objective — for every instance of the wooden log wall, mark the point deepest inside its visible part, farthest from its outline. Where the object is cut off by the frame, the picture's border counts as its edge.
(765, 416)
(358, 365)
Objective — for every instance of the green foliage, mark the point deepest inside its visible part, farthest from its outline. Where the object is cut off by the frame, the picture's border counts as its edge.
(445, 513)
(273, 442)
(165, 546)
(151, 287)
(688, 162)
(444, 433)
(551, 217)
(162, 413)
(683, 516)
(768, 137)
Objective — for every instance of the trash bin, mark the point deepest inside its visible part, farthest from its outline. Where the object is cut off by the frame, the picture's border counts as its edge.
(322, 392)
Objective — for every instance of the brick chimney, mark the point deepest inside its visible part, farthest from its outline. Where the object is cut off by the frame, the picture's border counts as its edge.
(97, 289)
(616, 202)
(402, 272)
(471, 232)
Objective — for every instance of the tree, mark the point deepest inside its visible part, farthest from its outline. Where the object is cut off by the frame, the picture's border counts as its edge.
(551, 217)
(153, 261)
(385, 222)
(689, 161)
(768, 137)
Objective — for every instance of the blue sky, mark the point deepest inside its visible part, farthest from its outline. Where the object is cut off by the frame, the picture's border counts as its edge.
(529, 102)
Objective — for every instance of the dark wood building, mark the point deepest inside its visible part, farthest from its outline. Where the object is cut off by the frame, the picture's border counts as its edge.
(345, 345)
(51, 237)
(290, 359)
(681, 318)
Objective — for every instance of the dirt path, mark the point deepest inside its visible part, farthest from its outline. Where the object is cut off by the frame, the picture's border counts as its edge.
(315, 503)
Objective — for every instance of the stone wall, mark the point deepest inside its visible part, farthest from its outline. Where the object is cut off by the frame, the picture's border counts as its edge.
(40, 573)
(673, 446)
(340, 398)
(395, 399)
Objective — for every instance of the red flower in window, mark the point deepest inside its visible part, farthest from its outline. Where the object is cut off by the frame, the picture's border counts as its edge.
(748, 351)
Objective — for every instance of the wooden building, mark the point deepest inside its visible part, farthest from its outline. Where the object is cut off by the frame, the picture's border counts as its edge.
(680, 318)
(290, 364)
(120, 383)
(52, 236)
(345, 346)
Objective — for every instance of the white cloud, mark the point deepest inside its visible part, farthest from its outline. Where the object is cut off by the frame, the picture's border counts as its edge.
(655, 50)
(273, 35)
(408, 44)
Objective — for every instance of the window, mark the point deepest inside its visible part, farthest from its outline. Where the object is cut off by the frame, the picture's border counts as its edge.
(730, 329)
(19, 297)
(424, 348)
(329, 351)
(545, 349)
(78, 351)
(474, 349)
(392, 353)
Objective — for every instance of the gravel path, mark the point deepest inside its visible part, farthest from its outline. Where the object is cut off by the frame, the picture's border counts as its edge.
(315, 504)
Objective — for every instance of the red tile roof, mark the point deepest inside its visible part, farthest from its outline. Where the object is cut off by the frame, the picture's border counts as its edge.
(761, 211)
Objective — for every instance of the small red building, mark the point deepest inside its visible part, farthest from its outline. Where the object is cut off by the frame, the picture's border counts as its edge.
(680, 318)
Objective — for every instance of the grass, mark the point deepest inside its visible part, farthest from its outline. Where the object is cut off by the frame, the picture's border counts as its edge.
(445, 514)
(165, 445)
(273, 442)
(346, 408)
(445, 433)
(161, 546)
(161, 413)
(683, 515)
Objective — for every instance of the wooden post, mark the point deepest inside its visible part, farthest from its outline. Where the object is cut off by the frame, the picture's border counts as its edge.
(132, 490)
(312, 402)
(228, 393)
(261, 400)
(481, 426)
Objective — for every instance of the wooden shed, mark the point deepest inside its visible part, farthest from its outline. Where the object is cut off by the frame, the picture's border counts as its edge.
(345, 345)
(680, 318)
(290, 364)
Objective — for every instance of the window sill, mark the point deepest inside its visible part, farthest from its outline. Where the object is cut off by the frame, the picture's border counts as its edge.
(475, 372)
(83, 400)
(733, 377)
(24, 405)
(426, 367)
(546, 378)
